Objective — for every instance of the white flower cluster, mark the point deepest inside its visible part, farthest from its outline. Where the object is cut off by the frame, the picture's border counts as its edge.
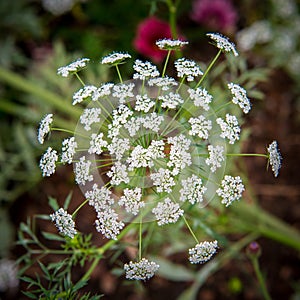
(64, 222)
(168, 44)
(141, 270)
(48, 162)
(230, 128)
(275, 157)
(240, 97)
(44, 127)
(115, 58)
(216, 157)
(201, 97)
(187, 68)
(203, 252)
(132, 200)
(223, 43)
(200, 127)
(68, 151)
(192, 189)
(73, 67)
(144, 70)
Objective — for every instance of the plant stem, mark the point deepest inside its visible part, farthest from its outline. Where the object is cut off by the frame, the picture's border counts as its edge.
(260, 278)
(166, 63)
(80, 80)
(119, 74)
(248, 154)
(190, 229)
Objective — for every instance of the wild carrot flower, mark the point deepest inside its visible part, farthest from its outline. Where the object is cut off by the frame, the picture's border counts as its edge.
(187, 68)
(132, 200)
(69, 147)
(144, 70)
(84, 93)
(275, 157)
(223, 43)
(45, 127)
(73, 67)
(240, 97)
(115, 58)
(169, 44)
(203, 252)
(82, 171)
(141, 270)
(48, 162)
(89, 117)
(101, 199)
(201, 97)
(200, 126)
(230, 128)
(97, 143)
(64, 222)
(231, 189)
(216, 157)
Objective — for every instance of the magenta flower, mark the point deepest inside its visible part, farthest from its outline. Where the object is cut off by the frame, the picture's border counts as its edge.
(148, 32)
(218, 15)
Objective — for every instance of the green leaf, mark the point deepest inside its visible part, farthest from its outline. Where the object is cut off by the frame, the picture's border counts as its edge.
(52, 236)
(53, 203)
(67, 201)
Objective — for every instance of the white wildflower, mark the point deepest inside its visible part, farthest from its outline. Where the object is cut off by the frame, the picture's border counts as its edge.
(84, 93)
(223, 43)
(169, 44)
(64, 223)
(163, 180)
(97, 143)
(152, 121)
(167, 212)
(103, 90)
(44, 128)
(122, 91)
(132, 200)
(47, 162)
(192, 190)
(115, 58)
(73, 67)
(143, 103)
(163, 82)
(108, 223)
(82, 171)
(133, 125)
(100, 199)
(142, 270)
(216, 157)
(203, 252)
(69, 147)
(231, 189)
(201, 97)
(275, 157)
(187, 68)
(89, 117)
(144, 70)
(230, 128)
(118, 173)
(139, 157)
(240, 97)
(171, 100)
(200, 126)
(118, 147)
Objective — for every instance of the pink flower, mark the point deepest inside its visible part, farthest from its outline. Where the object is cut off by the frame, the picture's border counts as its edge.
(149, 31)
(218, 15)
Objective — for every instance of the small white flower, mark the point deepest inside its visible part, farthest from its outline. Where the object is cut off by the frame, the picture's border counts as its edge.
(73, 67)
(139, 157)
(84, 93)
(121, 114)
(97, 143)
(152, 121)
(64, 223)
(108, 223)
(240, 97)
(169, 44)
(115, 58)
(171, 100)
(163, 180)
(69, 147)
(192, 190)
(231, 189)
(122, 91)
(230, 128)
(133, 125)
(132, 200)
(223, 43)
(144, 70)
(200, 127)
(118, 147)
(164, 82)
(216, 157)
(118, 173)
(167, 212)
(47, 162)
(100, 199)
(203, 252)
(142, 270)
(275, 157)
(201, 97)
(143, 103)
(82, 171)
(103, 90)
(89, 117)
(45, 127)
(188, 68)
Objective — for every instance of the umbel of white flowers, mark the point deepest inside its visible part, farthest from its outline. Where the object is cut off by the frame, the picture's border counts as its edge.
(136, 140)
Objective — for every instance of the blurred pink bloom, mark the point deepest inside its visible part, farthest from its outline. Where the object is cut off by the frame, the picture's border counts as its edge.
(148, 32)
(215, 14)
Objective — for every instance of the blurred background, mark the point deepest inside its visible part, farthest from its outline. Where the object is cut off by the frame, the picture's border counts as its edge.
(38, 36)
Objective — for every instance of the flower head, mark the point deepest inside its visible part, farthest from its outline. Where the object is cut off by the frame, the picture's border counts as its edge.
(169, 44)
(231, 189)
(275, 157)
(223, 43)
(144, 70)
(141, 270)
(230, 128)
(64, 223)
(188, 68)
(84, 93)
(203, 252)
(214, 14)
(69, 147)
(89, 117)
(100, 199)
(45, 127)
(192, 189)
(97, 143)
(132, 200)
(149, 31)
(216, 157)
(48, 162)
(201, 97)
(73, 67)
(82, 171)
(240, 97)
(200, 126)
(115, 58)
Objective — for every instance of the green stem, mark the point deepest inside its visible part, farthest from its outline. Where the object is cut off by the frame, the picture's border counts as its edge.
(140, 238)
(166, 63)
(80, 80)
(190, 229)
(260, 278)
(248, 154)
(119, 74)
(68, 131)
(172, 18)
(79, 207)
(208, 68)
